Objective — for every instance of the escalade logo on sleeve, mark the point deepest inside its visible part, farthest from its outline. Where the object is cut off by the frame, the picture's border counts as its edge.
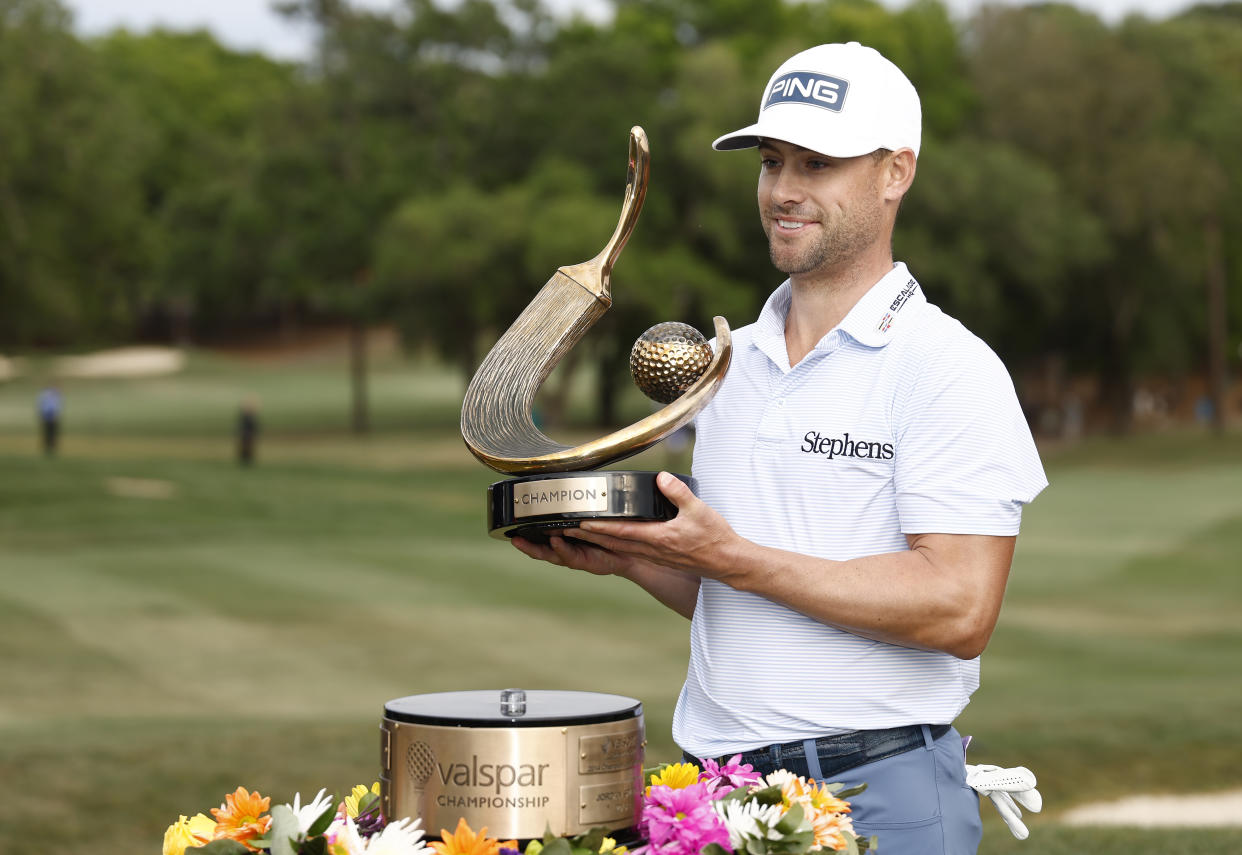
(808, 87)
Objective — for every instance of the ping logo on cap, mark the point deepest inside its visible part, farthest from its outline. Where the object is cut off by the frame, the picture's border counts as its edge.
(808, 87)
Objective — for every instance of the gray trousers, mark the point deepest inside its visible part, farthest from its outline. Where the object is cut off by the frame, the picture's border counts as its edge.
(918, 803)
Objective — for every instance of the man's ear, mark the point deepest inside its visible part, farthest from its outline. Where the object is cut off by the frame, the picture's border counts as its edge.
(899, 173)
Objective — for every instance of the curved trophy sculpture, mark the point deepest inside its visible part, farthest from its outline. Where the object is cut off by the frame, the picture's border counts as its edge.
(496, 420)
(496, 417)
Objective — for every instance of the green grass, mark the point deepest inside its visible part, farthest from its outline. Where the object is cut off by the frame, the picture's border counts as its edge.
(174, 626)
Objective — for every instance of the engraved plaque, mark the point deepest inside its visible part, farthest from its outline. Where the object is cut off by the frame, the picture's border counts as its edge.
(608, 753)
(605, 803)
(560, 496)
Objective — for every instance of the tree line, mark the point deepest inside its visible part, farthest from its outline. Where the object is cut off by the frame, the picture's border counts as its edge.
(432, 167)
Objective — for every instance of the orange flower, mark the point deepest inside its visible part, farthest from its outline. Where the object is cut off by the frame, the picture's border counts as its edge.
(241, 816)
(464, 841)
(813, 796)
(826, 812)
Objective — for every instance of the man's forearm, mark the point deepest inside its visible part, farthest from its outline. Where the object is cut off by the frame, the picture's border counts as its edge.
(674, 588)
(944, 593)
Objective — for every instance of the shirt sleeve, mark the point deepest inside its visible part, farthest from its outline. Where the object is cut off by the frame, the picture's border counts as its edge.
(965, 459)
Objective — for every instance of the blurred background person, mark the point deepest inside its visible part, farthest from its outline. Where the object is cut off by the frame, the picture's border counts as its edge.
(247, 431)
(50, 406)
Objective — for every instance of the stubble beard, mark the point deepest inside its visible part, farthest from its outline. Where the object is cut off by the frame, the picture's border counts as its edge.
(841, 239)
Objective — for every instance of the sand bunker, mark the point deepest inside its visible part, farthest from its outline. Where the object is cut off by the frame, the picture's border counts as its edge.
(123, 362)
(140, 488)
(1211, 810)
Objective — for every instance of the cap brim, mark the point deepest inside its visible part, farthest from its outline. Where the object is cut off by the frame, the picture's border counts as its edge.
(747, 137)
(787, 127)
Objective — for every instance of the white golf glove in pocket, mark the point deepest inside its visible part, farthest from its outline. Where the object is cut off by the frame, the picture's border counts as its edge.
(1007, 788)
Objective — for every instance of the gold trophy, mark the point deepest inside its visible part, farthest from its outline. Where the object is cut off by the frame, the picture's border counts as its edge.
(559, 485)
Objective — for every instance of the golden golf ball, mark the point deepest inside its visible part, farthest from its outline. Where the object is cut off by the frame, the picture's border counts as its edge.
(667, 359)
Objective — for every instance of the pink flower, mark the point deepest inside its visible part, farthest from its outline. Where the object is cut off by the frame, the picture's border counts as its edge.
(733, 774)
(681, 821)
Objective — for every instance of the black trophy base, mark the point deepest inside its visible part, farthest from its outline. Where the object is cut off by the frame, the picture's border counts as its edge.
(533, 506)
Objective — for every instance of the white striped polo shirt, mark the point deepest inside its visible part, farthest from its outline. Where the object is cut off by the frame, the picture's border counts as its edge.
(900, 421)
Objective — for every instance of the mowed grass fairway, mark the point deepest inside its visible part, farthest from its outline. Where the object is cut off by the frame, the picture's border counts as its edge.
(172, 626)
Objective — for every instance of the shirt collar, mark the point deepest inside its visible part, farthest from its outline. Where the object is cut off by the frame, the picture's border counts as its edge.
(770, 327)
(873, 321)
(878, 315)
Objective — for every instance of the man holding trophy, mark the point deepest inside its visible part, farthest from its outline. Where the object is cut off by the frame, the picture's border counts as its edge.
(861, 475)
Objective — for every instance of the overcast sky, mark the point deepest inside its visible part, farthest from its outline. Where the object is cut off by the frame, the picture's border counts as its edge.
(251, 25)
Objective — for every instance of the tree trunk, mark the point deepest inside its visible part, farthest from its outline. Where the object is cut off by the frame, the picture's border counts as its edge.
(1218, 337)
(1117, 370)
(360, 421)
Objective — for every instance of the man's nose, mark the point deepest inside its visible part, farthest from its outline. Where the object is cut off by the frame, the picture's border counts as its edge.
(786, 188)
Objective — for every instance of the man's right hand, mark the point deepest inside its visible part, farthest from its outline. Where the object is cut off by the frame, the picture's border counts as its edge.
(675, 589)
(573, 553)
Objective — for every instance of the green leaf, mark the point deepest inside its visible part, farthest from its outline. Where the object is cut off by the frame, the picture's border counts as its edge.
(284, 832)
(768, 796)
(559, 846)
(220, 847)
(314, 846)
(849, 792)
(592, 840)
(791, 820)
(652, 772)
(714, 849)
(320, 825)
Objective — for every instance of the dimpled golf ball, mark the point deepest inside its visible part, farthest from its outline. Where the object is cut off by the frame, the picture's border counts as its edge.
(667, 359)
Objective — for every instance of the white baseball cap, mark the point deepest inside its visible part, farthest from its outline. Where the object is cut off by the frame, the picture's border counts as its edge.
(842, 100)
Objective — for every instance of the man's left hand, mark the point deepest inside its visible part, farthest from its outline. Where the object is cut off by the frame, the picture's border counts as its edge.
(697, 540)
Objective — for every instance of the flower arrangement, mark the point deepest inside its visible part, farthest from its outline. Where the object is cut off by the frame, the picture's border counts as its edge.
(721, 809)
(729, 809)
(243, 824)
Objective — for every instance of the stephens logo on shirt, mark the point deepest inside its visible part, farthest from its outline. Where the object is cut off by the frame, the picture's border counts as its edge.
(813, 442)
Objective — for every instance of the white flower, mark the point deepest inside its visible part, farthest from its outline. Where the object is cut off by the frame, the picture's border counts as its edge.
(308, 813)
(343, 834)
(743, 820)
(779, 778)
(400, 837)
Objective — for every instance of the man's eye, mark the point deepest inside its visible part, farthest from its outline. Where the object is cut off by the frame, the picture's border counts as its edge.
(767, 162)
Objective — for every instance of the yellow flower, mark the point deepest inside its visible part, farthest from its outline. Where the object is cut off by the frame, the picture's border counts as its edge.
(610, 847)
(464, 841)
(355, 797)
(188, 832)
(241, 817)
(675, 775)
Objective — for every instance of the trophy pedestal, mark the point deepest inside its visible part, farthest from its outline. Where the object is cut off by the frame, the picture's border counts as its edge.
(533, 506)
